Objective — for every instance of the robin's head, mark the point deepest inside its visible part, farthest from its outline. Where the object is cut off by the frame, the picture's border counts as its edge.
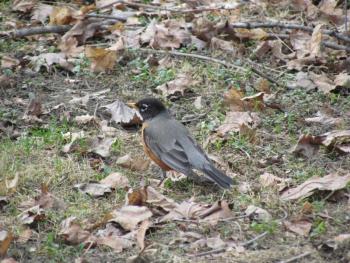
(149, 108)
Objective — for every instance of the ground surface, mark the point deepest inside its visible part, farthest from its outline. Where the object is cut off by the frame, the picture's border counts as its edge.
(36, 156)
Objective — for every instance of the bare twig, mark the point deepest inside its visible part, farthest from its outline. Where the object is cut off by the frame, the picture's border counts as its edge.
(252, 25)
(346, 15)
(23, 32)
(215, 60)
(206, 253)
(251, 241)
(118, 18)
(296, 257)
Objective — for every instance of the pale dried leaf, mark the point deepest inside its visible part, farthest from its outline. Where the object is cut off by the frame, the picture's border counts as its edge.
(62, 15)
(157, 199)
(257, 213)
(307, 145)
(48, 59)
(31, 215)
(185, 210)
(24, 6)
(93, 189)
(141, 232)
(24, 236)
(322, 82)
(223, 45)
(117, 243)
(102, 146)
(9, 62)
(323, 117)
(300, 227)
(72, 233)
(270, 180)
(8, 260)
(177, 87)
(115, 181)
(342, 80)
(121, 113)
(130, 216)
(234, 120)
(107, 130)
(135, 163)
(85, 119)
(218, 211)
(339, 140)
(42, 12)
(12, 184)
(316, 41)
(331, 182)
(303, 80)
(255, 34)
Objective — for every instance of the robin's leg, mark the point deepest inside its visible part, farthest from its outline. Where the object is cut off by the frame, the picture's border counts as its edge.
(163, 177)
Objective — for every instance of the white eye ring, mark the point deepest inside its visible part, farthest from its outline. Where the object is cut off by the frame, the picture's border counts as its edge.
(143, 107)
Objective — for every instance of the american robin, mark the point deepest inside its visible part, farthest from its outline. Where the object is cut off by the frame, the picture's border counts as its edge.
(169, 144)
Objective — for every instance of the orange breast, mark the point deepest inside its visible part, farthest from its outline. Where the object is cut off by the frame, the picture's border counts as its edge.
(149, 152)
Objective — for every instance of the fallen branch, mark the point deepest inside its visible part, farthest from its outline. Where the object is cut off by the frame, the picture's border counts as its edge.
(215, 60)
(296, 257)
(252, 25)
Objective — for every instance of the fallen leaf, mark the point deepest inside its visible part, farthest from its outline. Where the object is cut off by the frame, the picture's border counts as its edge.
(102, 146)
(233, 99)
(62, 15)
(342, 80)
(210, 242)
(102, 60)
(48, 59)
(218, 211)
(72, 233)
(155, 198)
(186, 210)
(6, 82)
(300, 41)
(268, 180)
(32, 215)
(85, 119)
(307, 145)
(324, 117)
(276, 48)
(24, 6)
(257, 213)
(93, 189)
(176, 88)
(255, 34)
(42, 12)
(9, 62)
(12, 184)
(219, 44)
(117, 243)
(73, 136)
(254, 102)
(6, 238)
(235, 119)
(330, 182)
(187, 237)
(141, 232)
(46, 200)
(322, 82)
(130, 216)
(115, 181)
(107, 130)
(198, 103)
(80, 100)
(300, 227)
(137, 197)
(9, 260)
(338, 140)
(303, 80)
(133, 163)
(122, 113)
(316, 41)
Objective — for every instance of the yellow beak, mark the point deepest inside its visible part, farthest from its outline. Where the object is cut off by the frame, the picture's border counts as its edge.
(132, 105)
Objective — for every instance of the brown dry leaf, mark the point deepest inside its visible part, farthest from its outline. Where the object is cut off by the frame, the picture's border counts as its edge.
(276, 47)
(73, 136)
(254, 102)
(255, 34)
(307, 145)
(300, 41)
(133, 163)
(157, 199)
(108, 131)
(24, 236)
(338, 140)
(42, 12)
(9, 62)
(115, 181)
(93, 189)
(72, 233)
(141, 232)
(137, 196)
(62, 15)
(102, 146)
(303, 80)
(316, 41)
(263, 85)
(6, 82)
(218, 211)
(234, 120)
(176, 88)
(48, 59)
(232, 98)
(219, 44)
(330, 182)
(268, 180)
(6, 238)
(85, 119)
(324, 117)
(257, 213)
(117, 243)
(24, 6)
(102, 60)
(130, 216)
(69, 46)
(32, 215)
(210, 242)
(300, 227)
(46, 200)
(121, 113)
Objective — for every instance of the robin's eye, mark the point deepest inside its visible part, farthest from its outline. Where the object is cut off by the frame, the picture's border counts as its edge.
(143, 107)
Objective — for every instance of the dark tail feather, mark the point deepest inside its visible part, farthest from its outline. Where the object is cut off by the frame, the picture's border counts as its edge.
(217, 176)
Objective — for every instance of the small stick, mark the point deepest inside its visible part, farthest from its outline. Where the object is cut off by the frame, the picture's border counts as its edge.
(296, 257)
(23, 32)
(118, 18)
(251, 241)
(346, 15)
(224, 63)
